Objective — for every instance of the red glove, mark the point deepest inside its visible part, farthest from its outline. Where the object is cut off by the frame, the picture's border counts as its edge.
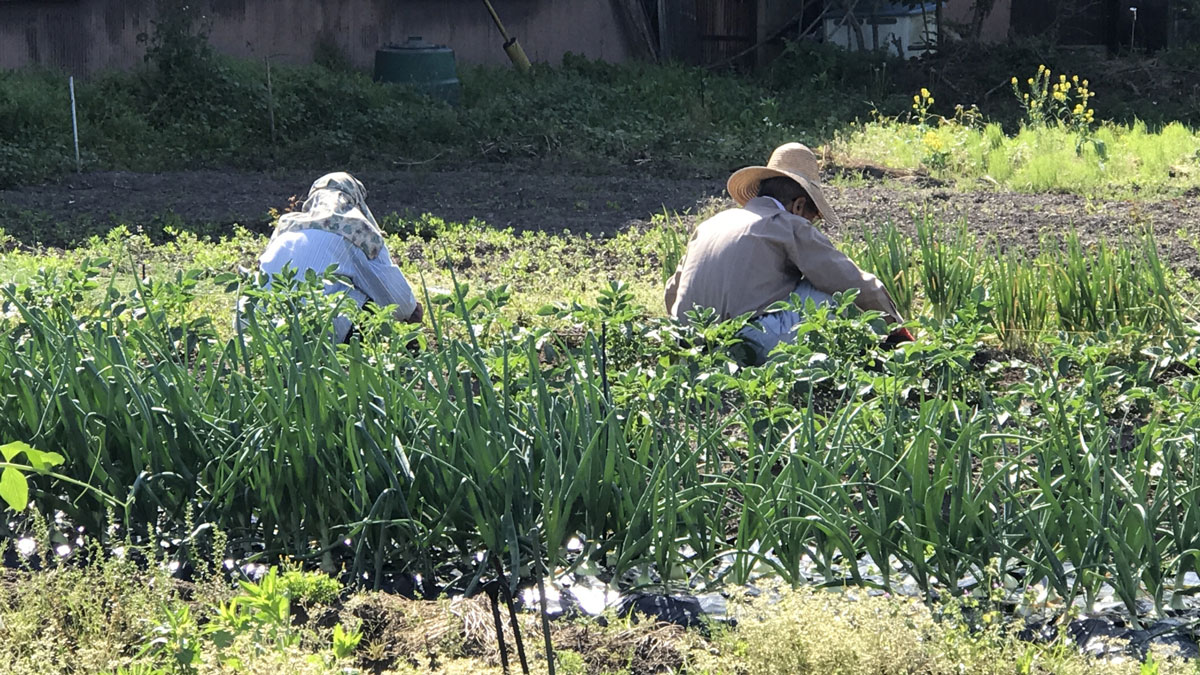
(899, 336)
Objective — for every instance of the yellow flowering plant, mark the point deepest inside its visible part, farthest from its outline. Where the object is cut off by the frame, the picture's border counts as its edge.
(940, 136)
(937, 154)
(1036, 99)
(1063, 102)
(922, 102)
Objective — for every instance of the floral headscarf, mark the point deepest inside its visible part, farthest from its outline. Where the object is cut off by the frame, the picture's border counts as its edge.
(337, 202)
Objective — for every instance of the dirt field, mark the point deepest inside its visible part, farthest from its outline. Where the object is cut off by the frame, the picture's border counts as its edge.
(544, 198)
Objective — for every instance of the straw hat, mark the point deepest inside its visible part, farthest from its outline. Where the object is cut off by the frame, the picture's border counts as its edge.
(792, 160)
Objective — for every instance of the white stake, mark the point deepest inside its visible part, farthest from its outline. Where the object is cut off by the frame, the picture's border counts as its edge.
(75, 127)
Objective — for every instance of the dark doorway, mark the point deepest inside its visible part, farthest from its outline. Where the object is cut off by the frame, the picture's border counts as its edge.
(1111, 23)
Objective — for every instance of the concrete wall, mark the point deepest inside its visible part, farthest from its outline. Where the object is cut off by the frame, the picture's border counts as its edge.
(86, 36)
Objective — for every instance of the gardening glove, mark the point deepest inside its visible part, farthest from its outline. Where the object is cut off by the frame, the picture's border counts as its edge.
(898, 336)
(417, 314)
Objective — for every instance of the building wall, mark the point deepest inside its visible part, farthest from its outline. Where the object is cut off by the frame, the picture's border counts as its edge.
(995, 26)
(86, 36)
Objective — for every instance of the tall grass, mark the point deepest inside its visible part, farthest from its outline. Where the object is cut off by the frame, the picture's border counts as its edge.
(1021, 305)
(947, 266)
(1027, 295)
(1137, 161)
(889, 255)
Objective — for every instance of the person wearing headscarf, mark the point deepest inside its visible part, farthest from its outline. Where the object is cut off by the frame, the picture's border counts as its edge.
(336, 228)
(743, 260)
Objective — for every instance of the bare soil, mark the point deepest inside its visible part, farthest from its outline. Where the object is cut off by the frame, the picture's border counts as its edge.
(548, 198)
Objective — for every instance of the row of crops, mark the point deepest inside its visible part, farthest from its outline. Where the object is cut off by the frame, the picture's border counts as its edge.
(1042, 430)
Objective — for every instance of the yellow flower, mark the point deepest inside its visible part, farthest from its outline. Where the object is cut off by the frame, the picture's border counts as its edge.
(1062, 78)
(1029, 81)
(917, 99)
(1041, 68)
(1014, 81)
(933, 141)
(930, 100)
(924, 92)
(1075, 79)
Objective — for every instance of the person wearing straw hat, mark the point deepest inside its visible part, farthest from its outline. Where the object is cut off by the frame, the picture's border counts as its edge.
(335, 228)
(743, 260)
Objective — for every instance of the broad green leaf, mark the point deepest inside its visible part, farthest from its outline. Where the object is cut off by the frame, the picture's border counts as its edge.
(11, 450)
(14, 489)
(43, 461)
(39, 460)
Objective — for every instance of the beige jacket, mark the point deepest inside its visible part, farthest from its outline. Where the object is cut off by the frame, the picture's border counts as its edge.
(744, 260)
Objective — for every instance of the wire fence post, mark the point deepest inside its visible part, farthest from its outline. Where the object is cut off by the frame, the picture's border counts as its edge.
(75, 125)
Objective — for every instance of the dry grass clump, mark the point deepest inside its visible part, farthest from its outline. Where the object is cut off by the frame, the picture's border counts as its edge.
(624, 647)
(398, 632)
(460, 636)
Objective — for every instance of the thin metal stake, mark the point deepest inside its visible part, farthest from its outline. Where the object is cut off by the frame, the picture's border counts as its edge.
(493, 593)
(75, 126)
(512, 616)
(541, 584)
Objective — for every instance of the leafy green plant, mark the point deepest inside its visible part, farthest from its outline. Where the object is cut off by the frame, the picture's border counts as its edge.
(309, 588)
(345, 642)
(179, 639)
(597, 437)
(14, 485)
(261, 611)
(14, 488)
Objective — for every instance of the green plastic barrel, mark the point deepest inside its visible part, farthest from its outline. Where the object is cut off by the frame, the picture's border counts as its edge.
(428, 67)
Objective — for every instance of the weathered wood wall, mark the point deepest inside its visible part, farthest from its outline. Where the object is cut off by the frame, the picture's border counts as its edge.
(86, 36)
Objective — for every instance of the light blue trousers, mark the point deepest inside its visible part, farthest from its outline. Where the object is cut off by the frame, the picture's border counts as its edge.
(774, 327)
